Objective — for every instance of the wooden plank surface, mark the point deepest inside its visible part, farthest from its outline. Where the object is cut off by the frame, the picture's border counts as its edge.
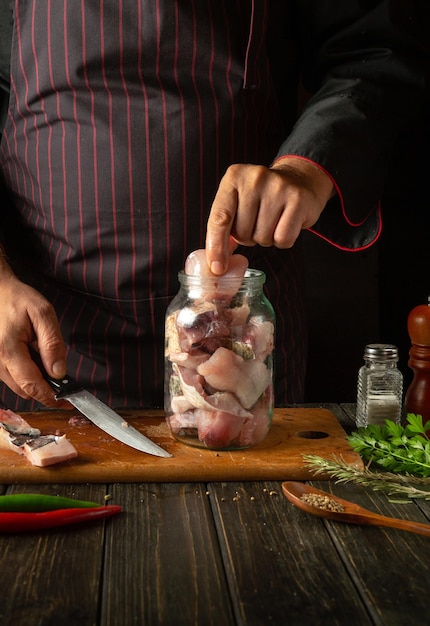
(390, 567)
(232, 552)
(226, 553)
(163, 564)
(53, 576)
(281, 563)
(294, 432)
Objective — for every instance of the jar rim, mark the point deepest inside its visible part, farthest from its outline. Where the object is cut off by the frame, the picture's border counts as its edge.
(251, 277)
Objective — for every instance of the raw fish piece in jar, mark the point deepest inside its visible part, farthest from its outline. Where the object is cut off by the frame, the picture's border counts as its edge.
(227, 371)
(203, 331)
(180, 404)
(218, 429)
(255, 429)
(190, 361)
(196, 397)
(224, 286)
(261, 335)
(182, 424)
(227, 402)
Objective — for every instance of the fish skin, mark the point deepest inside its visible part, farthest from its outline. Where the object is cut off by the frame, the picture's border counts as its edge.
(41, 450)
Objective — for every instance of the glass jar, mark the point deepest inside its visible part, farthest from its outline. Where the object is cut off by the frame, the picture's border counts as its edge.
(380, 386)
(219, 352)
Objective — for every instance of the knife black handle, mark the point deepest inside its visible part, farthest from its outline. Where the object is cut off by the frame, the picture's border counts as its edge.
(62, 386)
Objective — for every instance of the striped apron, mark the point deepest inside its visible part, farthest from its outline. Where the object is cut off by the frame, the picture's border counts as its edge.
(123, 117)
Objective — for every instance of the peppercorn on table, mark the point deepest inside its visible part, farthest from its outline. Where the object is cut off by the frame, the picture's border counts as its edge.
(222, 553)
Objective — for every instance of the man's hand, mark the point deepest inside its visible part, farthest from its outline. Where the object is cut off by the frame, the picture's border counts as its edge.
(27, 320)
(265, 206)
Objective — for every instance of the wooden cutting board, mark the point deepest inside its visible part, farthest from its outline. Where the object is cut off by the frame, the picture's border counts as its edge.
(294, 432)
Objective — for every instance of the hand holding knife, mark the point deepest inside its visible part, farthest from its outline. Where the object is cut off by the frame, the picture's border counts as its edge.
(99, 413)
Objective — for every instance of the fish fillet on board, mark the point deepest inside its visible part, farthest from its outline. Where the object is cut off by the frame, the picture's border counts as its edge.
(17, 435)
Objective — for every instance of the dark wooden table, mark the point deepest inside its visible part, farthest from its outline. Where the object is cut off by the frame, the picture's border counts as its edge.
(220, 553)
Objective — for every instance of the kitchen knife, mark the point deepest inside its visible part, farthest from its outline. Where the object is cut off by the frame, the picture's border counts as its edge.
(103, 416)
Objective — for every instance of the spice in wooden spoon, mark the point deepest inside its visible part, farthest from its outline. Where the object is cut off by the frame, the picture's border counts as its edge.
(322, 502)
(326, 505)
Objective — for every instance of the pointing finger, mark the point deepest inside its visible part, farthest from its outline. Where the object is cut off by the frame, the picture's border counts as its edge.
(220, 223)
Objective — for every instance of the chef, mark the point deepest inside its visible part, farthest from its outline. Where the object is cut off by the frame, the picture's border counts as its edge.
(136, 132)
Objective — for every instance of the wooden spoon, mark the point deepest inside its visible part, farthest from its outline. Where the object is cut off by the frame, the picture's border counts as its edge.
(352, 513)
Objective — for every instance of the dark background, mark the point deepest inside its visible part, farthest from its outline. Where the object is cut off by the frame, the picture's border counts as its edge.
(355, 298)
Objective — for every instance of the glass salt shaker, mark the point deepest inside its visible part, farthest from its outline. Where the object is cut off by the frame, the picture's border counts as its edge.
(380, 386)
(219, 351)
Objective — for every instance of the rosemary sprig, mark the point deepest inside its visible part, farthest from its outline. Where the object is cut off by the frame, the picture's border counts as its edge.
(410, 487)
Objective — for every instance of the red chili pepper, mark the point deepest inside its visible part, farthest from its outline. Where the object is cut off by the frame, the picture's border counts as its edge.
(24, 522)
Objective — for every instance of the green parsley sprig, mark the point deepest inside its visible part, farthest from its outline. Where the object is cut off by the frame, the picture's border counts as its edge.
(396, 448)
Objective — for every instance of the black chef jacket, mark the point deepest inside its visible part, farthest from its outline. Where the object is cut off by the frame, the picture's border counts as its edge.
(122, 118)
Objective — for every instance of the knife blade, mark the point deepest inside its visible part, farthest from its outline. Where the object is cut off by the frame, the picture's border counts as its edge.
(103, 416)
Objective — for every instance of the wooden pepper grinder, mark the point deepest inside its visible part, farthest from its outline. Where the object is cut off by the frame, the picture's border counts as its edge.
(417, 398)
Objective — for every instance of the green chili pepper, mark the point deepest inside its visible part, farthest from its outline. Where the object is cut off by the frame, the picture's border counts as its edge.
(24, 522)
(41, 502)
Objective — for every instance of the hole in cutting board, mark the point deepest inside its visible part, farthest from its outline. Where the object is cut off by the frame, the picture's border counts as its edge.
(312, 434)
